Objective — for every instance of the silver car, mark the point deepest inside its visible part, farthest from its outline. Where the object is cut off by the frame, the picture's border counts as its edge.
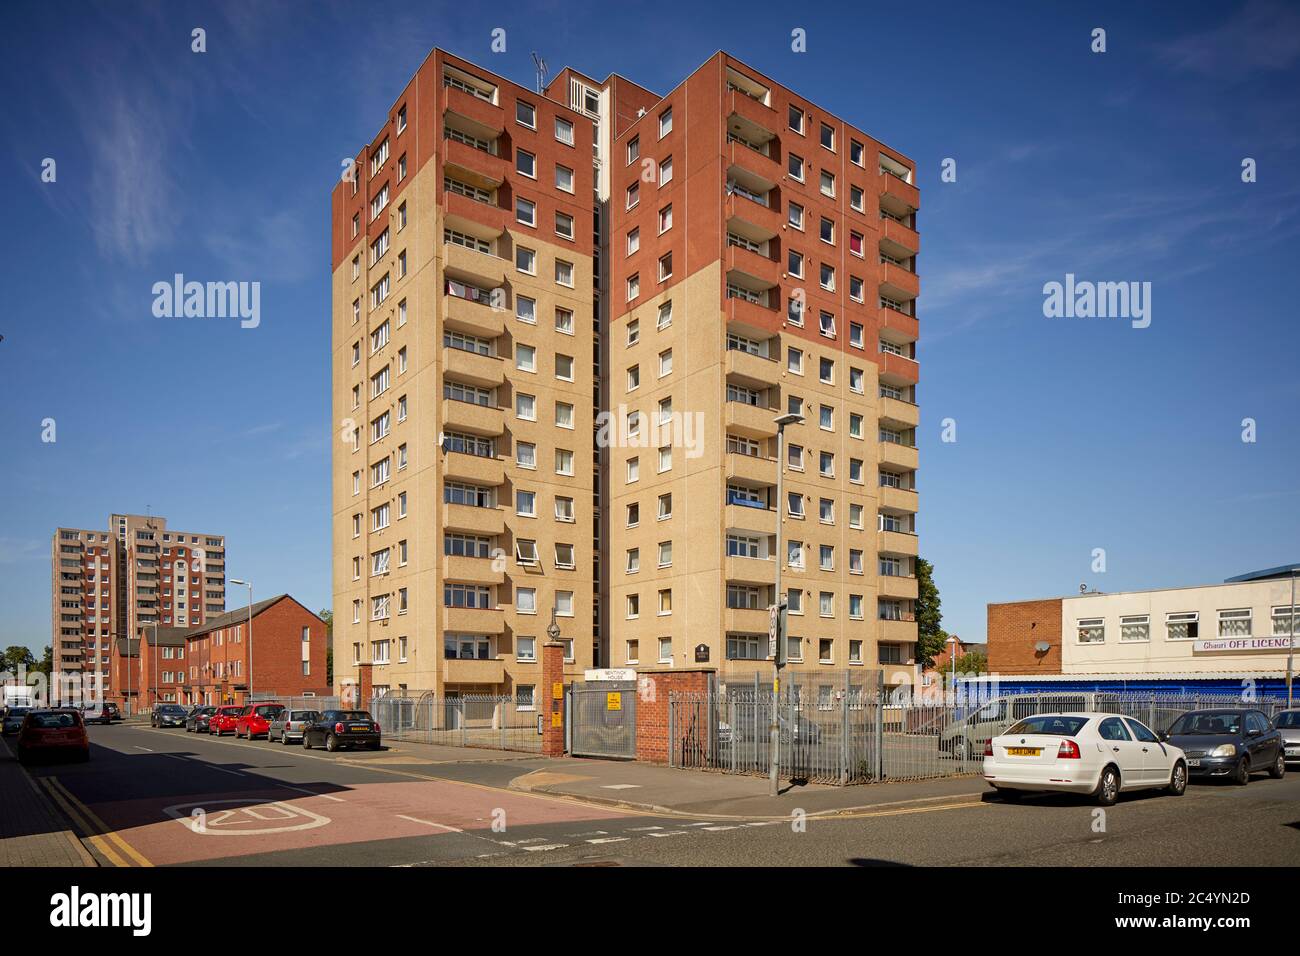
(288, 725)
(1287, 723)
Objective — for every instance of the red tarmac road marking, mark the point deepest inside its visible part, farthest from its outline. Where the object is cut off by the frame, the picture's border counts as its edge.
(282, 818)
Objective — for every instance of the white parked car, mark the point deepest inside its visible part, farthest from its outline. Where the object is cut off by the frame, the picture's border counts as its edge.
(1086, 753)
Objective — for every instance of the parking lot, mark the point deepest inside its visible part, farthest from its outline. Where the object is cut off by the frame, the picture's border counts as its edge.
(163, 797)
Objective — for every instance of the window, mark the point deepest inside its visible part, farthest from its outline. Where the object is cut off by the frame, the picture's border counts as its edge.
(826, 371)
(1092, 630)
(634, 378)
(526, 163)
(1235, 623)
(1282, 618)
(794, 264)
(857, 198)
(826, 231)
(525, 407)
(525, 212)
(633, 195)
(665, 122)
(564, 131)
(1134, 628)
(794, 504)
(526, 551)
(665, 266)
(796, 215)
(666, 171)
(743, 647)
(526, 309)
(526, 114)
(796, 119)
(526, 260)
(633, 150)
(564, 225)
(526, 650)
(665, 554)
(633, 286)
(665, 602)
(564, 367)
(563, 415)
(526, 600)
(828, 184)
(564, 556)
(630, 656)
(665, 362)
(665, 650)
(826, 325)
(828, 137)
(526, 504)
(564, 321)
(633, 469)
(563, 509)
(795, 167)
(665, 218)
(827, 277)
(633, 606)
(633, 241)
(1182, 625)
(665, 506)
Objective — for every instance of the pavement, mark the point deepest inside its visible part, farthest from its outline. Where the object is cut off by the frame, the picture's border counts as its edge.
(152, 797)
(33, 832)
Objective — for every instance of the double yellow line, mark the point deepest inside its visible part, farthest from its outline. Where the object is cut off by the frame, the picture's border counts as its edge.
(107, 842)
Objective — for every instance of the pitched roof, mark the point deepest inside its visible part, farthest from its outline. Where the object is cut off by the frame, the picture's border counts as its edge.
(240, 615)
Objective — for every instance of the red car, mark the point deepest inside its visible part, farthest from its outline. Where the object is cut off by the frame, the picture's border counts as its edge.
(255, 721)
(53, 732)
(223, 721)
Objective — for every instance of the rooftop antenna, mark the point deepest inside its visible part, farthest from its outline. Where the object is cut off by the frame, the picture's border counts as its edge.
(540, 66)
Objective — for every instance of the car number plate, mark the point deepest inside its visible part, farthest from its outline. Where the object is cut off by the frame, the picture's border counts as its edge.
(1194, 762)
(1024, 751)
(359, 728)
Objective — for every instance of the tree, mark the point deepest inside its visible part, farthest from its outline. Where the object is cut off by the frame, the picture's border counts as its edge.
(930, 636)
(327, 616)
(17, 656)
(972, 662)
(46, 664)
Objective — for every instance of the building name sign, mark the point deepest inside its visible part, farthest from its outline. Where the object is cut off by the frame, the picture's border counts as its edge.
(1243, 644)
(609, 674)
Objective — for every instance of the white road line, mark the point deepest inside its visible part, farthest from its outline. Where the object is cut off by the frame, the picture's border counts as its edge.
(642, 829)
(145, 749)
(621, 786)
(720, 829)
(701, 824)
(609, 840)
(668, 833)
(430, 823)
(546, 846)
(325, 796)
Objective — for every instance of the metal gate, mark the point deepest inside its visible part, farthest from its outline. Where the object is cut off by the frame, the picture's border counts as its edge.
(602, 719)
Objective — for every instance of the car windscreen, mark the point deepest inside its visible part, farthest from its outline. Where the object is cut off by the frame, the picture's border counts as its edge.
(1207, 723)
(172, 709)
(1053, 724)
(231, 711)
(55, 721)
(17, 711)
(353, 715)
(1288, 719)
(303, 715)
(269, 711)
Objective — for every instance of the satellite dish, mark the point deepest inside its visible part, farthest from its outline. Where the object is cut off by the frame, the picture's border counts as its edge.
(1042, 647)
(1083, 588)
(442, 440)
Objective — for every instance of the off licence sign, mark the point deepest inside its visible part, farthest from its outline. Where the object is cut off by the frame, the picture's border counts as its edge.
(1243, 644)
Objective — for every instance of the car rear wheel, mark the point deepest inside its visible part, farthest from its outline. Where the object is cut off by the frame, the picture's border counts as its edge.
(306, 741)
(1178, 780)
(1278, 770)
(331, 743)
(1241, 776)
(1107, 791)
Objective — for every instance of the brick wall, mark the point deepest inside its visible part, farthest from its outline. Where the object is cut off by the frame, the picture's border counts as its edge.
(277, 656)
(652, 742)
(1014, 629)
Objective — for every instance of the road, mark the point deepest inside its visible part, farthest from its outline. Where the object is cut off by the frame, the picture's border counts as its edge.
(163, 797)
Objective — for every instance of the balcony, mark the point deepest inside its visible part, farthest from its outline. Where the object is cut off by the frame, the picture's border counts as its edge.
(753, 371)
(485, 170)
(762, 166)
(755, 271)
(767, 219)
(463, 570)
(472, 520)
(752, 319)
(897, 457)
(753, 520)
(473, 672)
(760, 571)
(897, 368)
(751, 469)
(478, 419)
(897, 587)
(896, 542)
(485, 120)
(896, 282)
(907, 326)
(747, 115)
(898, 414)
(472, 318)
(897, 499)
(480, 268)
(895, 189)
(898, 240)
(476, 470)
(473, 620)
(487, 371)
(485, 220)
(898, 632)
(744, 621)
(750, 421)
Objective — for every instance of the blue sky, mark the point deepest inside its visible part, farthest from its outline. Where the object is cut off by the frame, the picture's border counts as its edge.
(1072, 434)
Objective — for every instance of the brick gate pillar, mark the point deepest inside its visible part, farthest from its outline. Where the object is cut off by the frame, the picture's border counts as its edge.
(552, 704)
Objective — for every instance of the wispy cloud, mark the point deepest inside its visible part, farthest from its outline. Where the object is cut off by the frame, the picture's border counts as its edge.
(1263, 37)
(22, 550)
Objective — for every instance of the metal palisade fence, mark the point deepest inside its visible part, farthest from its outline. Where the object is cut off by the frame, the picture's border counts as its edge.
(493, 722)
(852, 730)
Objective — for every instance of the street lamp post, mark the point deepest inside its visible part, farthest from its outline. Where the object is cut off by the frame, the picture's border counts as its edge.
(952, 652)
(249, 585)
(157, 691)
(778, 657)
(1290, 648)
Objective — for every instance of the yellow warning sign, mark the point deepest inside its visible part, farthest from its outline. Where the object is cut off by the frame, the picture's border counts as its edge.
(614, 700)
(557, 691)
(557, 719)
